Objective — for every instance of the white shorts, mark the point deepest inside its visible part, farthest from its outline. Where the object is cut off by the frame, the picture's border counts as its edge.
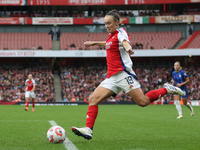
(123, 80)
(30, 94)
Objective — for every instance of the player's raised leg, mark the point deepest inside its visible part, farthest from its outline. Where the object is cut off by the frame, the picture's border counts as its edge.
(98, 95)
(144, 100)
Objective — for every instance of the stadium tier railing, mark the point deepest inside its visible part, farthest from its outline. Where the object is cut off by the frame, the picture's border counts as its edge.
(97, 53)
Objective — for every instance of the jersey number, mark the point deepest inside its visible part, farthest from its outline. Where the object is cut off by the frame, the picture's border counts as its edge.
(129, 79)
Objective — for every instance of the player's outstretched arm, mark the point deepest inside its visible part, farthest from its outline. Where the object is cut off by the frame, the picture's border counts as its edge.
(127, 47)
(93, 43)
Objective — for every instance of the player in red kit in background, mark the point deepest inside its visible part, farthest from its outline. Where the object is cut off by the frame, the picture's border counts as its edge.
(120, 76)
(29, 88)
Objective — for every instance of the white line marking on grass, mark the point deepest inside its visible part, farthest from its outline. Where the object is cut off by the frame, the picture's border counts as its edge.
(22, 120)
(68, 144)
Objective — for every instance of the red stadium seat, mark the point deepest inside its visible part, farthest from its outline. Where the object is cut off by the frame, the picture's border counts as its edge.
(23, 40)
(11, 14)
(16, 14)
(21, 14)
(195, 42)
(166, 39)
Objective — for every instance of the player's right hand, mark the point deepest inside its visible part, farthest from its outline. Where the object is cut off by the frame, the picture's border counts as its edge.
(88, 44)
(130, 51)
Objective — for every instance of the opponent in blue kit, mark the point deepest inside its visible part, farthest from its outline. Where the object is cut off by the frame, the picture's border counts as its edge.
(180, 79)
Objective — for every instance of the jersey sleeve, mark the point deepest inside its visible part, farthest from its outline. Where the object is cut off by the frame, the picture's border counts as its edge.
(26, 82)
(33, 82)
(184, 74)
(122, 35)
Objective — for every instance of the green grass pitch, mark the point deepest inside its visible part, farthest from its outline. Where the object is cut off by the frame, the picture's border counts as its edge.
(118, 127)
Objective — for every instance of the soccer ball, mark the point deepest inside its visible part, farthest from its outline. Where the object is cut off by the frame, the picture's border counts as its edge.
(56, 134)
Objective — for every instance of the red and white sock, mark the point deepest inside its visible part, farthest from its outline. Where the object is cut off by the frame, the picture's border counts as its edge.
(91, 116)
(156, 94)
(33, 104)
(27, 103)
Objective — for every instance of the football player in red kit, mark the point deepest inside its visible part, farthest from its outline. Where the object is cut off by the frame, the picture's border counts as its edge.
(120, 75)
(29, 88)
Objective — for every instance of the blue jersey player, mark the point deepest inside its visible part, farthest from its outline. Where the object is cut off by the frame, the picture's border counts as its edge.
(180, 79)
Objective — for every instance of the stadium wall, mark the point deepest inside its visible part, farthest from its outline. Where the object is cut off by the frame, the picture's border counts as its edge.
(96, 53)
(96, 28)
(66, 103)
(193, 103)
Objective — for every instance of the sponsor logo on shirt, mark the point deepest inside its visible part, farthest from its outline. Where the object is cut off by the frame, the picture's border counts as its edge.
(108, 45)
(29, 84)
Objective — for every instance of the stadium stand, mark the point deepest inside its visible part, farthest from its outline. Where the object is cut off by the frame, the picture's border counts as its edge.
(12, 83)
(192, 41)
(78, 14)
(78, 39)
(191, 12)
(17, 41)
(79, 83)
(157, 40)
(195, 42)
(168, 13)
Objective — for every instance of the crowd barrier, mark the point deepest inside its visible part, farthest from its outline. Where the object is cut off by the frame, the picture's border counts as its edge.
(193, 103)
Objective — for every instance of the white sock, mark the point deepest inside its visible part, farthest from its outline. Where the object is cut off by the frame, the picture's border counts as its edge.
(188, 105)
(178, 107)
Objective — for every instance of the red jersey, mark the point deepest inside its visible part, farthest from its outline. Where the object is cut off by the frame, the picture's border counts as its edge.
(117, 57)
(29, 84)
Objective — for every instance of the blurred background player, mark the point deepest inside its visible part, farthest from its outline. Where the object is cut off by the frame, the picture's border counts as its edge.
(30, 87)
(180, 79)
(120, 76)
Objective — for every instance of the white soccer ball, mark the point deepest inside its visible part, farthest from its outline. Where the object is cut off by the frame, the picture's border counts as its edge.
(56, 134)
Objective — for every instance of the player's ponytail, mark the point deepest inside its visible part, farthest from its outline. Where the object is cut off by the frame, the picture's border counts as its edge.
(114, 14)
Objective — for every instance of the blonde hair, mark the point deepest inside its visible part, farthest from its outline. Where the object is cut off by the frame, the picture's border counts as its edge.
(179, 64)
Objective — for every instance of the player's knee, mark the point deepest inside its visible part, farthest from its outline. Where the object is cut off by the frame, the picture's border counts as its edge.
(143, 103)
(184, 103)
(92, 100)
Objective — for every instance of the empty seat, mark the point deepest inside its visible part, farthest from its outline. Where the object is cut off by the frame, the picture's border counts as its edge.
(25, 40)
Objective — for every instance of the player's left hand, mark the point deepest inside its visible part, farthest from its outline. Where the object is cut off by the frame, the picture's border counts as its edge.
(130, 51)
(31, 90)
(178, 84)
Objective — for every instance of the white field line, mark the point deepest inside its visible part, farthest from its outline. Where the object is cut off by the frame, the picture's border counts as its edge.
(68, 144)
(23, 120)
